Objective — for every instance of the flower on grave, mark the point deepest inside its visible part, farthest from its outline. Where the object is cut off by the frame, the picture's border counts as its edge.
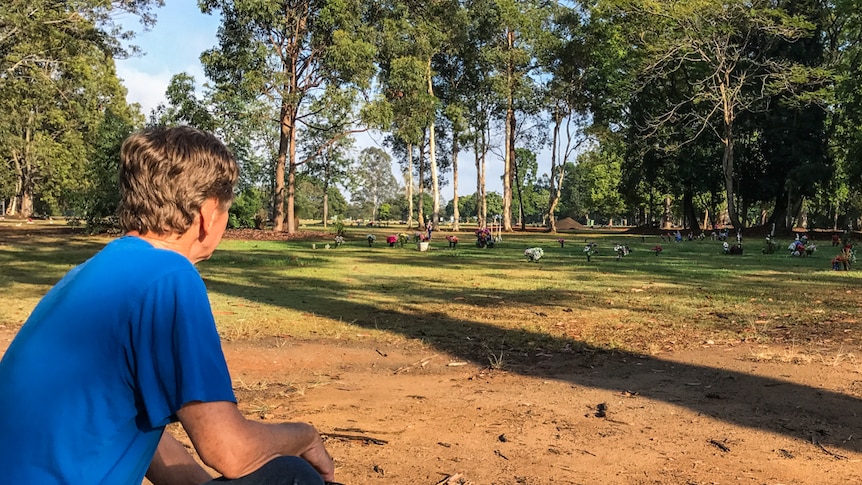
(339, 240)
(810, 249)
(561, 241)
(590, 250)
(420, 237)
(621, 250)
(453, 240)
(484, 235)
(534, 254)
(391, 240)
(403, 237)
(327, 246)
(656, 249)
(370, 238)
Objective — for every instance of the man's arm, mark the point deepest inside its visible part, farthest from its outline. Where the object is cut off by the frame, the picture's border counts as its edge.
(173, 465)
(235, 446)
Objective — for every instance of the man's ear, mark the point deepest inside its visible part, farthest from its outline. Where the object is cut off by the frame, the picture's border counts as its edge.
(206, 217)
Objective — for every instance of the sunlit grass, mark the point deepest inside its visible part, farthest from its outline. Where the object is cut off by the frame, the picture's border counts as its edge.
(480, 301)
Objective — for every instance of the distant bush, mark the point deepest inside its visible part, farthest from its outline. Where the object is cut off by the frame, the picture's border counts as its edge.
(247, 210)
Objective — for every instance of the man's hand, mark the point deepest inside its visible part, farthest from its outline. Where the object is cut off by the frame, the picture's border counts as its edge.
(319, 458)
(235, 446)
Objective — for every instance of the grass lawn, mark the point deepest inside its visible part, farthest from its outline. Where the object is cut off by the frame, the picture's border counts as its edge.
(490, 304)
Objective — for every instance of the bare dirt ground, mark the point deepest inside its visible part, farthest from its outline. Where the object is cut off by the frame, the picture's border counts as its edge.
(409, 415)
(404, 413)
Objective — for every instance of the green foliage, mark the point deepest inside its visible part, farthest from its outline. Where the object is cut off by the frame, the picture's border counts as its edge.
(247, 210)
(290, 53)
(57, 81)
(530, 197)
(183, 107)
(375, 183)
(99, 204)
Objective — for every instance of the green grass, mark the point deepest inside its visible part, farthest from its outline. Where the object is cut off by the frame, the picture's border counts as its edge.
(490, 304)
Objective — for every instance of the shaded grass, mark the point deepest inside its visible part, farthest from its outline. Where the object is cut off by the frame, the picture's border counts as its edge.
(480, 302)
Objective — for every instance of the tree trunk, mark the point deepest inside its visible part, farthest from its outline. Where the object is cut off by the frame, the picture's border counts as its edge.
(409, 185)
(668, 215)
(727, 167)
(688, 209)
(779, 212)
(509, 156)
(456, 214)
(278, 194)
(432, 159)
(517, 178)
(291, 183)
(14, 201)
(483, 194)
(325, 193)
(480, 220)
(554, 190)
(421, 209)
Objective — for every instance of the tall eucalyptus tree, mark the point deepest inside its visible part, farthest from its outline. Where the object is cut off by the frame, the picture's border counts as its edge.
(293, 52)
(514, 31)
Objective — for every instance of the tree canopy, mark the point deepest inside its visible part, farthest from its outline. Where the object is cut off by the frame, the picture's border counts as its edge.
(654, 112)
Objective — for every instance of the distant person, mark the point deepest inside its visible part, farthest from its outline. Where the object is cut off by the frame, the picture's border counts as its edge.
(126, 343)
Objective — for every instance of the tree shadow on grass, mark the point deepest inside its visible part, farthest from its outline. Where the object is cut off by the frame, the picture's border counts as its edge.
(738, 398)
(758, 402)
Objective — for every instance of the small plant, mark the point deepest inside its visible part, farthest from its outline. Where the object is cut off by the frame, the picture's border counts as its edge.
(496, 361)
(339, 228)
(769, 246)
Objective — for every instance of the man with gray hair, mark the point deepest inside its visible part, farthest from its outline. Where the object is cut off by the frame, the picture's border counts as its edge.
(126, 343)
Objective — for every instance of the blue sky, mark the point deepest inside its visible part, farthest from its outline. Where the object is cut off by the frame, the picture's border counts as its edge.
(175, 44)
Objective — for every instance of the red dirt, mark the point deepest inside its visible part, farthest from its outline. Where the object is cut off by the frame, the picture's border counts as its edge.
(714, 415)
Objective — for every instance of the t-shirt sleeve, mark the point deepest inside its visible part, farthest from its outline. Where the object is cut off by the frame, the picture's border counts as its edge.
(175, 348)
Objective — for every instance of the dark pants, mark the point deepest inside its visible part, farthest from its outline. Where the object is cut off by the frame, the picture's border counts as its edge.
(284, 470)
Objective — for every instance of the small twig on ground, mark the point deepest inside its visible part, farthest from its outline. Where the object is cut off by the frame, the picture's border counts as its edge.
(456, 479)
(830, 453)
(351, 430)
(497, 452)
(718, 444)
(420, 363)
(342, 436)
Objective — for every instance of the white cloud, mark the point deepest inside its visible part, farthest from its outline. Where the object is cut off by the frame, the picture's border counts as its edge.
(146, 89)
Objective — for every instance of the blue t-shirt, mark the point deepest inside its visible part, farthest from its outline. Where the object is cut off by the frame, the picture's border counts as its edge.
(104, 362)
